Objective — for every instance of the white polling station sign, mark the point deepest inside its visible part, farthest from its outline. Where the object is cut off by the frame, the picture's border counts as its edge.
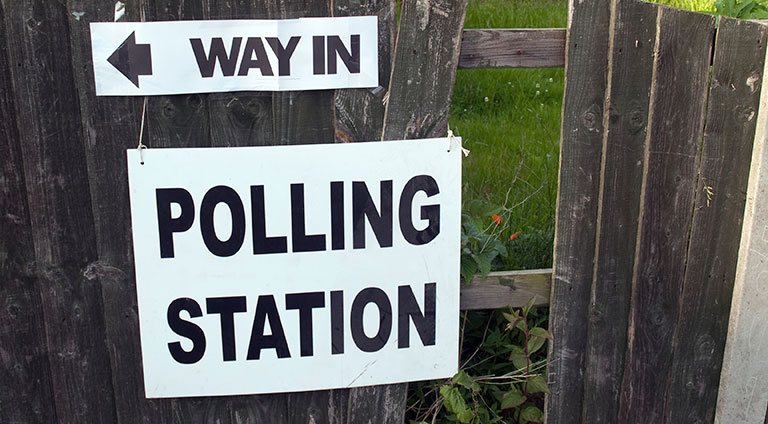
(183, 57)
(294, 268)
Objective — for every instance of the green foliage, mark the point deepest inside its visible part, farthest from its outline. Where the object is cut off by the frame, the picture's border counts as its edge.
(489, 388)
(744, 9)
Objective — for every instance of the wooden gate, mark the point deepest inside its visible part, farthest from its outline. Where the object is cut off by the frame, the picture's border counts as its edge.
(655, 157)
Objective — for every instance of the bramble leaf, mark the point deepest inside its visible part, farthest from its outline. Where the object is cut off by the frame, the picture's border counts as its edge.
(532, 414)
(512, 399)
(537, 384)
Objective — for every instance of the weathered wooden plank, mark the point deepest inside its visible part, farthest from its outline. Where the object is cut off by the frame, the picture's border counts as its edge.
(182, 121)
(678, 104)
(578, 188)
(111, 125)
(419, 94)
(359, 113)
(424, 69)
(61, 221)
(23, 362)
(301, 117)
(743, 393)
(506, 288)
(734, 99)
(629, 83)
(513, 48)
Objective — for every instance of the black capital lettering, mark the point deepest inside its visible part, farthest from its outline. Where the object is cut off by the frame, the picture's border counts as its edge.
(301, 241)
(266, 309)
(207, 63)
(214, 196)
(318, 55)
(261, 243)
(305, 302)
(408, 309)
(363, 207)
(337, 322)
(283, 53)
(431, 213)
(337, 48)
(226, 307)
(254, 46)
(168, 225)
(337, 215)
(186, 329)
(378, 297)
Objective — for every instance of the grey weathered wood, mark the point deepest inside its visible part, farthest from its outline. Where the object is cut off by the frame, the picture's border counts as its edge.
(743, 393)
(506, 288)
(419, 95)
(424, 68)
(111, 126)
(61, 221)
(359, 113)
(678, 105)
(580, 153)
(24, 362)
(734, 100)
(512, 48)
(625, 120)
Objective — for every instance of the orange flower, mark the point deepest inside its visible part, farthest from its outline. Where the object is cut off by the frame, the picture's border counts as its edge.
(513, 236)
(496, 219)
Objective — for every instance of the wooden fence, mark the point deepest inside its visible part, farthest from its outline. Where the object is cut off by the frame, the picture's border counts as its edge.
(655, 161)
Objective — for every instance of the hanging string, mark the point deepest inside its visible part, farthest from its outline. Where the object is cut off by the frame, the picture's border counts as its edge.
(141, 145)
(452, 139)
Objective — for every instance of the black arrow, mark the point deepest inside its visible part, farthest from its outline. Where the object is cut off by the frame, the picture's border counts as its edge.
(132, 59)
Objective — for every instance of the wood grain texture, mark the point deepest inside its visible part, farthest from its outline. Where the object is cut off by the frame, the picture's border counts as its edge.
(513, 48)
(743, 393)
(359, 113)
(578, 189)
(110, 126)
(23, 353)
(424, 69)
(625, 121)
(61, 221)
(506, 288)
(734, 98)
(678, 105)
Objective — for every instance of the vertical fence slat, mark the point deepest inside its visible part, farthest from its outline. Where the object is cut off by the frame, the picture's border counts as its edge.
(424, 68)
(625, 121)
(182, 121)
(359, 113)
(110, 126)
(23, 362)
(678, 106)
(743, 394)
(578, 189)
(424, 64)
(734, 98)
(56, 178)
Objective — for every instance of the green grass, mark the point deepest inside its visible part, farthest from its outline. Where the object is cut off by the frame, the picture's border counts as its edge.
(510, 120)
